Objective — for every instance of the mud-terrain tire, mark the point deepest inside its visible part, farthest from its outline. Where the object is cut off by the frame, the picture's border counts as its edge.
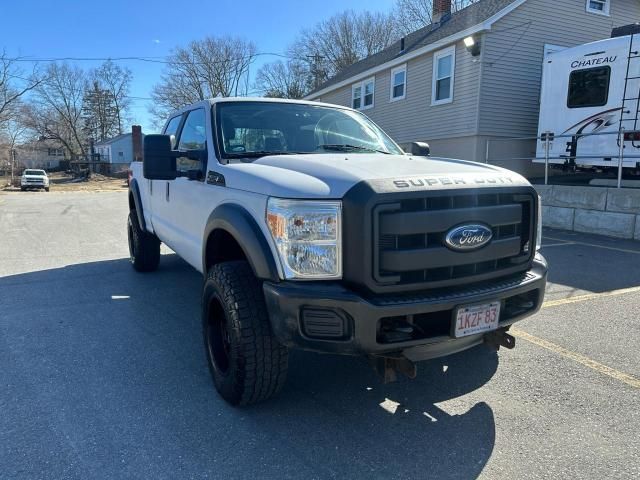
(247, 363)
(144, 247)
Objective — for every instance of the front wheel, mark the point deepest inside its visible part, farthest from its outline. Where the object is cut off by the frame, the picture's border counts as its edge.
(144, 247)
(46, 189)
(247, 363)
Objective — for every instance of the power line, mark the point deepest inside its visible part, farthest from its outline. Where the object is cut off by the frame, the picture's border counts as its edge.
(166, 60)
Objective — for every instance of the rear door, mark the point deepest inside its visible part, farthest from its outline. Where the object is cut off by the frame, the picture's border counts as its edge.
(160, 193)
(188, 195)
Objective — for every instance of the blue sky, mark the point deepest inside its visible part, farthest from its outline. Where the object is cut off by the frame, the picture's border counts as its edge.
(148, 28)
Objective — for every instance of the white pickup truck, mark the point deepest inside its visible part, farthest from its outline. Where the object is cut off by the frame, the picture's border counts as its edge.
(314, 230)
(34, 179)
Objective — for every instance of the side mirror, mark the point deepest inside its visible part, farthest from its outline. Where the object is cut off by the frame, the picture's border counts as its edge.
(159, 161)
(420, 149)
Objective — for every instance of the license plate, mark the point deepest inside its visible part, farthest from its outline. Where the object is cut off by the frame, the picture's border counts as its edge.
(472, 319)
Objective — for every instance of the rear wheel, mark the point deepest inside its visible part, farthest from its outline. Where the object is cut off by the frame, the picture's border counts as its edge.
(46, 189)
(247, 363)
(144, 247)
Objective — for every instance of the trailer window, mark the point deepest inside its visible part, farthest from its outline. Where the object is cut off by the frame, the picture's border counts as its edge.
(589, 87)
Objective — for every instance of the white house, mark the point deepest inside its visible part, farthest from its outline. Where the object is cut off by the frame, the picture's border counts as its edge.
(118, 149)
(39, 155)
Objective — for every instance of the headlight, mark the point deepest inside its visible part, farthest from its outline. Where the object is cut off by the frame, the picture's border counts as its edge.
(539, 229)
(308, 235)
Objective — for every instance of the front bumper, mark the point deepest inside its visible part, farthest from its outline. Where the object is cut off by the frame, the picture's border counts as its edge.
(335, 319)
(34, 184)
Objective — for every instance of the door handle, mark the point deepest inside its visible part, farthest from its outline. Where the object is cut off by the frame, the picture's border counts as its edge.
(167, 195)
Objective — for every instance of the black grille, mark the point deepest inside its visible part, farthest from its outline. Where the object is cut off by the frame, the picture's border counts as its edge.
(409, 247)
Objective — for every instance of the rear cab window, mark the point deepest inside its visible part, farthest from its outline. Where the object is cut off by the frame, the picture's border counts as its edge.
(172, 129)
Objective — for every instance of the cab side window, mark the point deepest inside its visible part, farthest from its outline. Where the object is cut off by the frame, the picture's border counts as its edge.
(192, 137)
(172, 129)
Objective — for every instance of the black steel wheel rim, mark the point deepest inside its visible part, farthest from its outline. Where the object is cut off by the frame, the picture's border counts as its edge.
(218, 336)
(132, 243)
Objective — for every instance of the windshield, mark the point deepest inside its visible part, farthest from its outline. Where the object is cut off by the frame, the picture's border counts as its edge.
(255, 129)
(34, 172)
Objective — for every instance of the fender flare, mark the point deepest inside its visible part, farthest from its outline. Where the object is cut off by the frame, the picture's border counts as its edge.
(137, 200)
(240, 224)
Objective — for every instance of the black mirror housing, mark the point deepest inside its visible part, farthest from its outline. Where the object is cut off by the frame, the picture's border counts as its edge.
(159, 161)
(420, 149)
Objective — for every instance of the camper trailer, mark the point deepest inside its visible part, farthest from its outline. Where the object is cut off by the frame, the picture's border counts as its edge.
(589, 93)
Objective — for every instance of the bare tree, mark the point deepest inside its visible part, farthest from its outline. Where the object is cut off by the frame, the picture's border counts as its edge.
(99, 113)
(14, 84)
(412, 15)
(283, 80)
(106, 101)
(12, 133)
(203, 69)
(342, 40)
(55, 112)
(116, 82)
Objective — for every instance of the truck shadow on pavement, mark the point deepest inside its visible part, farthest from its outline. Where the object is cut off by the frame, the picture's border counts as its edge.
(108, 365)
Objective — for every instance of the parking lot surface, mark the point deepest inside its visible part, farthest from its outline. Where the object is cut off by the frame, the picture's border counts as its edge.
(103, 373)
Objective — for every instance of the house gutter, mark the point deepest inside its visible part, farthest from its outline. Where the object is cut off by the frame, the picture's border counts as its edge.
(481, 27)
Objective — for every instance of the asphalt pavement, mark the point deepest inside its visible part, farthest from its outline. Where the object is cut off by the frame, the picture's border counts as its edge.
(103, 373)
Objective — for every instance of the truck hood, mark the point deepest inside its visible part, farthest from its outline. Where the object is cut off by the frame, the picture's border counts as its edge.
(332, 175)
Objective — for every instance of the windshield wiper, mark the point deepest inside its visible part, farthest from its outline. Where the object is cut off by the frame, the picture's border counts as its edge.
(349, 148)
(258, 153)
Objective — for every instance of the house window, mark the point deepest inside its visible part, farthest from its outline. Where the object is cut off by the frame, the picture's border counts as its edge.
(443, 71)
(362, 94)
(600, 7)
(356, 96)
(369, 86)
(398, 83)
(589, 87)
(55, 152)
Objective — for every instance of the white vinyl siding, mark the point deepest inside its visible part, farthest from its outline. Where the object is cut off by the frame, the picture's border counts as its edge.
(362, 94)
(413, 119)
(398, 83)
(444, 63)
(601, 7)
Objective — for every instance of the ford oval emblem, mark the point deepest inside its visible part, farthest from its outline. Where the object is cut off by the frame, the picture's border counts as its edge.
(468, 237)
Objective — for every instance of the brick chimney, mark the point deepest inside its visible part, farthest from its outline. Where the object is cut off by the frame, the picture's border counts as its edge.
(441, 9)
(136, 139)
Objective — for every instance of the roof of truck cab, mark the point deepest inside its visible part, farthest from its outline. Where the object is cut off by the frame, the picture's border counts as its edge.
(213, 101)
(266, 99)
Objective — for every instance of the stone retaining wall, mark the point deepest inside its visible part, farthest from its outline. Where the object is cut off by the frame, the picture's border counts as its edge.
(603, 211)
